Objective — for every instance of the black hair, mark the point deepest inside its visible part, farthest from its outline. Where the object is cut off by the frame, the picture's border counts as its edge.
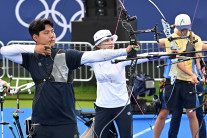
(38, 25)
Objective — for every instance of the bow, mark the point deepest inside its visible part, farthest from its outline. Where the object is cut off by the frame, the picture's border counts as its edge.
(167, 31)
(133, 53)
(133, 41)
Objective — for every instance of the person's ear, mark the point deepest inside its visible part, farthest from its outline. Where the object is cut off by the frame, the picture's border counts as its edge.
(35, 37)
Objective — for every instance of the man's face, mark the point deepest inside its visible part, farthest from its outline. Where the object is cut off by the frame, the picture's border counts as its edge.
(46, 37)
(107, 44)
(182, 32)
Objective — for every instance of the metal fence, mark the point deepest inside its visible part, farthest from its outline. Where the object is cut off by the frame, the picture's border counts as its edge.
(85, 73)
(2, 66)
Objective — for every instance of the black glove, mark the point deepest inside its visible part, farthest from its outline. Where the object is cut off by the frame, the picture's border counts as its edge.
(132, 53)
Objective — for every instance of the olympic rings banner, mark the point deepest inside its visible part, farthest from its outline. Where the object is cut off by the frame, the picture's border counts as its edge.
(19, 13)
(15, 16)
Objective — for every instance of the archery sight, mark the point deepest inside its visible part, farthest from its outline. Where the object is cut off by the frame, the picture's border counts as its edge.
(129, 28)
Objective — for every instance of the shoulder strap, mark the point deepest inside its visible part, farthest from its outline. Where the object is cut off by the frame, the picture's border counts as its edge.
(189, 48)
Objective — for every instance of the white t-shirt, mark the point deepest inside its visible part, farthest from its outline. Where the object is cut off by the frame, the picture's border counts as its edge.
(111, 83)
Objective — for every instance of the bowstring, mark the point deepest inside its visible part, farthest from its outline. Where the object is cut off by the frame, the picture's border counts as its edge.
(194, 13)
(118, 19)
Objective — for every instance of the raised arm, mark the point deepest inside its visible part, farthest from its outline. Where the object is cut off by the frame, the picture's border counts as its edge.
(162, 42)
(14, 52)
(204, 47)
(104, 55)
(101, 55)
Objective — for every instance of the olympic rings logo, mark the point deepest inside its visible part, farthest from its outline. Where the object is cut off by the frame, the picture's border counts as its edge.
(54, 14)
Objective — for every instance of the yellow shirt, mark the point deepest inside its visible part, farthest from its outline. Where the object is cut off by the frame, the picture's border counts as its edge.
(181, 46)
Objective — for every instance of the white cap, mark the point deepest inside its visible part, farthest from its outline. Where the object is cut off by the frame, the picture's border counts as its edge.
(102, 35)
(182, 21)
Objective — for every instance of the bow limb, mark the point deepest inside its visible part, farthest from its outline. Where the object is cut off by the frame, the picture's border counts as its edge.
(133, 41)
(167, 31)
(132, 54)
